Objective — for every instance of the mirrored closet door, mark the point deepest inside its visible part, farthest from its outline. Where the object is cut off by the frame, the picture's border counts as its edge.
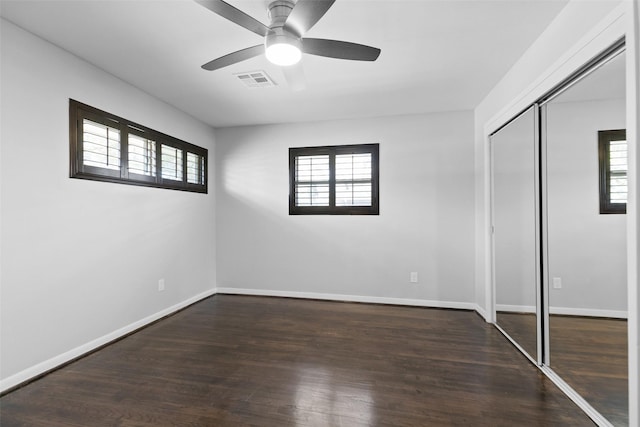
(585, 146)
(514, 182)
(559, 185)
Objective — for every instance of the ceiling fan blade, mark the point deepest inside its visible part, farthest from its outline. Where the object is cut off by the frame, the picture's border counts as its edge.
(340, 50)
(237, 16)
(234, 57)
(305, 14)
(294, 75)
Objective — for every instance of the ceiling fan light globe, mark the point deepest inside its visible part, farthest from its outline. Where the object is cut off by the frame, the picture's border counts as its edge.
(283, 54)
(282, 48)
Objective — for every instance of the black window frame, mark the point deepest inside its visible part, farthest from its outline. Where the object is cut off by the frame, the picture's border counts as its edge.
(604, 139)
(77, 169)
(332, 151)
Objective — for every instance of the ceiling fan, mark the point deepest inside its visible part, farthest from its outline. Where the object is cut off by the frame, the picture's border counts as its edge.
(283, 42)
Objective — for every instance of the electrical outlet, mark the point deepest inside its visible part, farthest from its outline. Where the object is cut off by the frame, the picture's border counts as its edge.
(413, 278)
(557, 283)
(160, 285)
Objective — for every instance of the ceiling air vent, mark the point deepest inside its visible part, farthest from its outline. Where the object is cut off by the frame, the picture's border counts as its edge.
(255, 79)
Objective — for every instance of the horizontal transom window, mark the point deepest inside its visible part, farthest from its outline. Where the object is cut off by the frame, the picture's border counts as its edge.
(334, 180)
(105, 147)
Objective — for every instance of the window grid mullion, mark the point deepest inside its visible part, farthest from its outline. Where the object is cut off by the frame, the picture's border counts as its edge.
(332, 179)
(204, 170)
(185, 180)
(77, 150)
(158, 160)
(124, 151)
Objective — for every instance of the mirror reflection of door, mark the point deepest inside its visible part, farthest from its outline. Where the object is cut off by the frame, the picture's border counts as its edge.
(586, 195)
(514, 177)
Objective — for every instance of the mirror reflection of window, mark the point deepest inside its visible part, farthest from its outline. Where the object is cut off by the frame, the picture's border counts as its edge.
(612, 149)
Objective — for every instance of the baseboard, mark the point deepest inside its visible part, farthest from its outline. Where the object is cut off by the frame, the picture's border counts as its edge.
(41, 368)
(567, 311)
(516, 308)
(350, 298)
(588, 312)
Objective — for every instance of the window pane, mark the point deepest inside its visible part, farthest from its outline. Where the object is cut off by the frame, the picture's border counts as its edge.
(100, 145)
(353, 194)
(618, 171)
(142, 156)
(195, 168)
(171, 163)
(312, 181)
(353, 179)
(351, 167)
(312, 194)
(312, 168)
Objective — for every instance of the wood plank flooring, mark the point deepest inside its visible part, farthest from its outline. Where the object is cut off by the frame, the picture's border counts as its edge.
(260, 361)
(589, 353)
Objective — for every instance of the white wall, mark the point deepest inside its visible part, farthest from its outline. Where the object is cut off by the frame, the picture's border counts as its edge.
(587, 250)
(81, 259)
(425, 223)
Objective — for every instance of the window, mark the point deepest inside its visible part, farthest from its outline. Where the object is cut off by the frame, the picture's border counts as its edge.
(334, 180)
(109, 148)
(612, 153)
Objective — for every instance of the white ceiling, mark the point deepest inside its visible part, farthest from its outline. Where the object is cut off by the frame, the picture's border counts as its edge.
(437, 55)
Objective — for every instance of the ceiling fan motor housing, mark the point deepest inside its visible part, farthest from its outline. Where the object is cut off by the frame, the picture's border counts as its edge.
(279, 11)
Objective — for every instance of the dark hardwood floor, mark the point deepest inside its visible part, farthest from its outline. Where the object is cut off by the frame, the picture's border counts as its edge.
(259, 361)
(589, 353)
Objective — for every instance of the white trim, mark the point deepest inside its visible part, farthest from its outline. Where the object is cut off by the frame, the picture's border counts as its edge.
(544, 340)
(350, 298)
(567, 311)
(56, 361)
(489, 247)
(633, 213)
(589, 312)
(538, 232)
(510, 308)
